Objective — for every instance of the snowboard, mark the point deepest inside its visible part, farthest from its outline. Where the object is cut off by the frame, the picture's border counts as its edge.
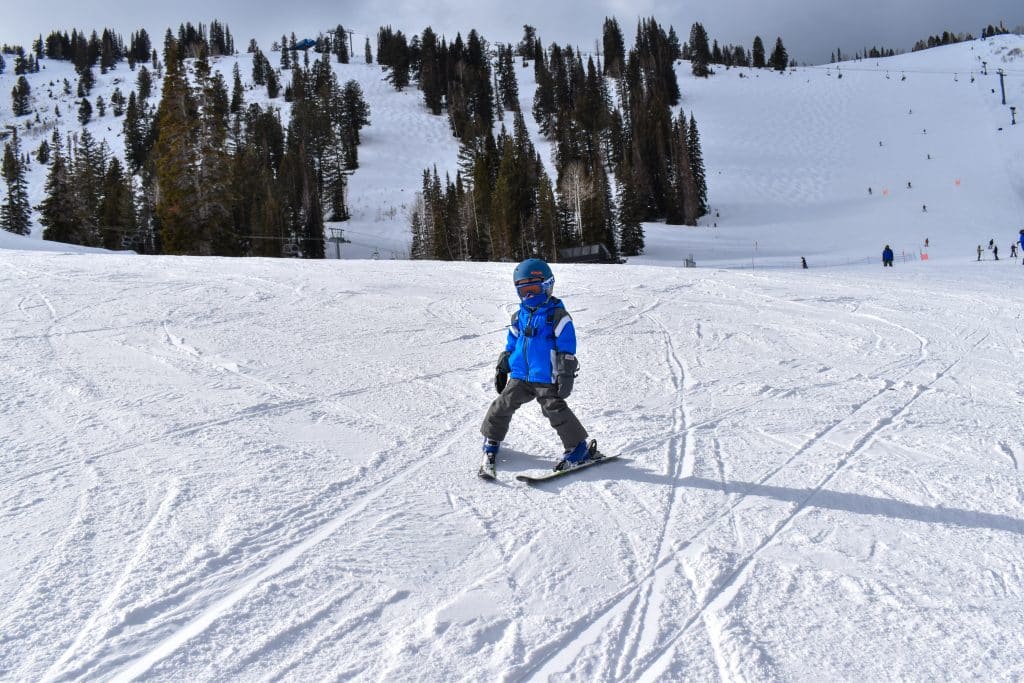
(596, 458)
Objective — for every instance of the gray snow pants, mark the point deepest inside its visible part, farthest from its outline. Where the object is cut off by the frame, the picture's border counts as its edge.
(518, 393)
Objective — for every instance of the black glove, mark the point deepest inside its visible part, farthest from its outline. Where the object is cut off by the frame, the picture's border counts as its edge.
(501, 372)
(566, 369)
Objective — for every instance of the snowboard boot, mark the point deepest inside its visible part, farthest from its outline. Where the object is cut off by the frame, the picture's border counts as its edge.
(575, 457)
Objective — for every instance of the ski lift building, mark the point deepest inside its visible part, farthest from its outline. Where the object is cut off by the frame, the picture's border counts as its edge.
(589, 253)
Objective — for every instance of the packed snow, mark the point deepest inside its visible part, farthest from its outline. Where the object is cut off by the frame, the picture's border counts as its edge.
(224, 469)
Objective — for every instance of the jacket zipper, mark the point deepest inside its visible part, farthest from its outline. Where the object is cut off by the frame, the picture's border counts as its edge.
(526, 345)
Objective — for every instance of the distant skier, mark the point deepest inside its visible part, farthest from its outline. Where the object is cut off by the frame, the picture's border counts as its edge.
(924, 208)
(1013, 250)
(869, 190)
(887, 256)
(803, 262)
(979, 252)
(1022, 245)
(539, 362)
(908, 185)
(995, 252)
(925, 242)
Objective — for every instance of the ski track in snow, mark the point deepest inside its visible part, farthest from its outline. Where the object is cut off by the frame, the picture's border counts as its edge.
(690, 521)
(258, 469)
(637, 596)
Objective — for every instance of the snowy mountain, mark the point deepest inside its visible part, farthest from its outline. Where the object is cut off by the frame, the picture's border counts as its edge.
(790, 157)
(240, 469)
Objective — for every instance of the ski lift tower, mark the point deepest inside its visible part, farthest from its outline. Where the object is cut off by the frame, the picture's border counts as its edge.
(337, 237)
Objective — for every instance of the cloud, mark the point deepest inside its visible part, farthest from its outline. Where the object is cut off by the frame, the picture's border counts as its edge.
(811, 29)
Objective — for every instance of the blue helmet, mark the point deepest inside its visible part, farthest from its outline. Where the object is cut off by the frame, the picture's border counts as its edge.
(533, 279)
(532, 269)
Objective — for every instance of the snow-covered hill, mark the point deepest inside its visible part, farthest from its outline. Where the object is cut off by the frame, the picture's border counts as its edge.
(265, 469)
(219, 469)
(790, 157)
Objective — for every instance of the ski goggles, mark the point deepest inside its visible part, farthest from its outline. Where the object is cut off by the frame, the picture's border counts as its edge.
(534, 287)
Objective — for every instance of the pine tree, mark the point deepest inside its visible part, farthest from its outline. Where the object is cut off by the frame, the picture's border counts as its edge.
(237, 91)
(544, 107)
(423, 246)
(117, 102)
(117, 211)
(21, 97)
(547, 217)
(631, 230)
(757, 53)
(259, 209)
(368, 55)
(614, 48)
(700, 53)
(137, 134)
(508, 87)
(505, 227)
(58, 208)
(697, 167)
(15, 212)
(212, 201)
(273, 83)
(339, 45)
(479, 95)
(686, 205)
(355, 115)
(416, 227)
(88, 169)
(259, 68)
(175, 159)
(144, 83)
(431, 76)
(528, 45)
(675, 51)
(84, 111)
(85, 82)
(299, 176)
(779, 59)
(398, 59)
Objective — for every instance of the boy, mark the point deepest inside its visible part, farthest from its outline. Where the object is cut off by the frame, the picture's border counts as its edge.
(540, 357)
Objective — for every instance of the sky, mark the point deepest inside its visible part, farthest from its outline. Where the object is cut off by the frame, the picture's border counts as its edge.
(811, 29)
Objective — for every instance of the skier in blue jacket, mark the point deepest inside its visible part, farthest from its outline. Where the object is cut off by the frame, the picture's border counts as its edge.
(1022, 245)
(539, 362)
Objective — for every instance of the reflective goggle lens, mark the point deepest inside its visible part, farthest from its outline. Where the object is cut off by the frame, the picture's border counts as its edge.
(530, 288)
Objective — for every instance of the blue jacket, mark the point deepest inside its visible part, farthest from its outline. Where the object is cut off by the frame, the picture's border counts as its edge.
(534, 336)
(887, 254)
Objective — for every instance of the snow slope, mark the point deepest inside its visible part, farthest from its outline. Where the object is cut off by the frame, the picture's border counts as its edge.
(265, 469)
(790, 157)
(249, 469)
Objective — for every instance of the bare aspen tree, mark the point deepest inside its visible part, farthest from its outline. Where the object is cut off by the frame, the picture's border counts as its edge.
(577, 187)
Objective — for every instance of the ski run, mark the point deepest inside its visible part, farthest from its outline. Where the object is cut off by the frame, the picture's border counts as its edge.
(258, 469)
